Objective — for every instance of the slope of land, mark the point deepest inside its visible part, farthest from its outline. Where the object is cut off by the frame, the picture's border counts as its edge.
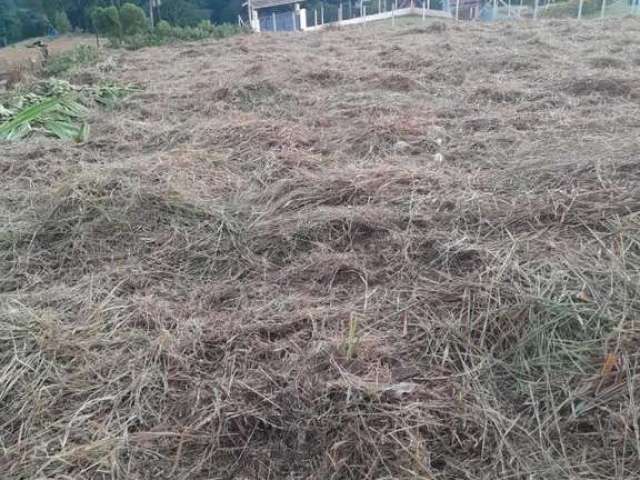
(19, 53)
(368, 253)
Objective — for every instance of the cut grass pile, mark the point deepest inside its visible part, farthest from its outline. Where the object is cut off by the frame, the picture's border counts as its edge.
(369, 253)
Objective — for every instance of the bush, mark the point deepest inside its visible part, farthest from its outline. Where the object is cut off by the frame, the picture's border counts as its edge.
(166, 33)
(106, 21)
(80, 55)
(163, 28)
(180, 12)
(206, 25)
(61, 22)
(226, 30)
(132, 19)
(142, 40)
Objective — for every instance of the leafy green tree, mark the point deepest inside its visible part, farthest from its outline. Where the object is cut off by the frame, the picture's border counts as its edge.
(106, 21)
(61, 22)
(180, 12)
(51, 8)
(163, 28)
(132, 19)
(225, 10)
(79, 12)
(32, 23)
(6, 14)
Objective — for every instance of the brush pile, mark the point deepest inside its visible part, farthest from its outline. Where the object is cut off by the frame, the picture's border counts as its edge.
(382, 253)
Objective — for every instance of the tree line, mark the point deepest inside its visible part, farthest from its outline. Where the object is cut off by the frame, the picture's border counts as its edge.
(21, 19)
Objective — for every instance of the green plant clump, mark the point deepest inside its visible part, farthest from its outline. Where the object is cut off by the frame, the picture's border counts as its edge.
(61, 22)
(106, 21)
(166, 33)
(132, 19)
(80, 55)
(55, 108)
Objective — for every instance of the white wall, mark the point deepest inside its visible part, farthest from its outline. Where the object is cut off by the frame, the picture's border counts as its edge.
(401, 12)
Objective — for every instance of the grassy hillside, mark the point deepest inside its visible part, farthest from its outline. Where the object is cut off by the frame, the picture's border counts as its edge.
(367, 253)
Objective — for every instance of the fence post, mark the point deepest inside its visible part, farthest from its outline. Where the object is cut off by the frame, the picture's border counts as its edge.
(494, 10)
(340, 12)
(302, 18)
(604, 6)
(428, 4)
(361, 5)
(322, 13)
(509, 9)
(315, 17)
(394, 6)
(379, 6)
(364, 14)
(580, 9)
(457, 10)
(273, 21)
(535, 9)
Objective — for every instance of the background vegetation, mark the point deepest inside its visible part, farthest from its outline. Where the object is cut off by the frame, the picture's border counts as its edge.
(128, 27)
(21, 19)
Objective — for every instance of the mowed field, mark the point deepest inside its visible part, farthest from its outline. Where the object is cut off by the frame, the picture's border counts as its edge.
(368, 253)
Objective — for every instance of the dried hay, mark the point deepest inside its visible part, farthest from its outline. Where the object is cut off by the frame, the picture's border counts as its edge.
(362, 283)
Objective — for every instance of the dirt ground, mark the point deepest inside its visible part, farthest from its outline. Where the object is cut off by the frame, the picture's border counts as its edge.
(368, 253)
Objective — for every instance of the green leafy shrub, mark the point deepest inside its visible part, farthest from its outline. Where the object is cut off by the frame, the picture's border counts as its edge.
(132, 19)
(142, 40)
(180, 12)
(226, 30)
(166, 33)
(106, 21)
(206, 26)
(56, 108)
(163, 28)
(80, 55)
(61, 22)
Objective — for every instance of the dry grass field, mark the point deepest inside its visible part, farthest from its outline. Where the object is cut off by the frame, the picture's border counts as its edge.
(369, 253)
(19, 54)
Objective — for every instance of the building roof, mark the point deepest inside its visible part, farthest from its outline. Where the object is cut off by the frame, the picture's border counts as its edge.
(256, 4)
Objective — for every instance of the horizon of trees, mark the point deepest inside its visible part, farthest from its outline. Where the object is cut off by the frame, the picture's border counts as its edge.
(22, 19)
